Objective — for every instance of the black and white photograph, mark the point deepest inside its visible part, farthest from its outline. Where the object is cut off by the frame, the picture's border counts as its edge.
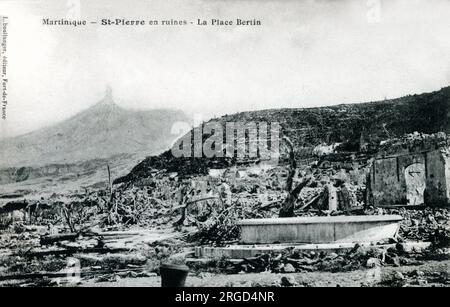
(227, 149)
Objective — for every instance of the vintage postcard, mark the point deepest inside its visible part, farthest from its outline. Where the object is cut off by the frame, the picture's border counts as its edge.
(210, 144)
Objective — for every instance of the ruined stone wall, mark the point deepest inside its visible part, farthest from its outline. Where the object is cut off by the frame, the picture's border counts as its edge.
(437, 181)
(389, 184)
(447, 176)
(384, 182)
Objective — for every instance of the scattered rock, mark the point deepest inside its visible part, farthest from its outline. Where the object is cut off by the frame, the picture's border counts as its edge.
(288, 281)
(418, 273)
(393, 259)
(398, 276)
(289, 268)
(332, 256)
(373, 263)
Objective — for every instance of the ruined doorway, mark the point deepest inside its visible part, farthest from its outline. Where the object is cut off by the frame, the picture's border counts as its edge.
(415, 184)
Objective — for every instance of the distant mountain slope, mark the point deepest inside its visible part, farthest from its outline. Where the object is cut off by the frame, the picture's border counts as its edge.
(102, 131)
(350, 124)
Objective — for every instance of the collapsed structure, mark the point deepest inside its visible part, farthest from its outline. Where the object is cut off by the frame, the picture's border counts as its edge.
(412, 171)
(331, 177)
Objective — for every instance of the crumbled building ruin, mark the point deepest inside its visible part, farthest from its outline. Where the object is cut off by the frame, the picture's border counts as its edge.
(412, 171)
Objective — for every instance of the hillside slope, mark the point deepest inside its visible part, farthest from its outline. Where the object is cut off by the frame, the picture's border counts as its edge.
(349, 123)
(359, 127)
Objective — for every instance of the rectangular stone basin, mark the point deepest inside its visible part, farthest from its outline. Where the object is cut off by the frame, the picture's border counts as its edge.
(330, 229)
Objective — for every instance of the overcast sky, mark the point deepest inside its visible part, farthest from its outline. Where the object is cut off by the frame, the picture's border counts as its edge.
(306, 53)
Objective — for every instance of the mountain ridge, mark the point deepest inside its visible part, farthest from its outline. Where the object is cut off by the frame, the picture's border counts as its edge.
(101, 131)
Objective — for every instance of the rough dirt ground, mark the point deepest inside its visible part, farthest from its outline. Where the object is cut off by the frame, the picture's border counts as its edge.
(313, 279)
